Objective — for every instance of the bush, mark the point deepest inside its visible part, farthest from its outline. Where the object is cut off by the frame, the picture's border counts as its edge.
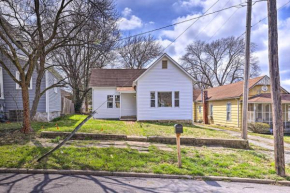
(259, 127)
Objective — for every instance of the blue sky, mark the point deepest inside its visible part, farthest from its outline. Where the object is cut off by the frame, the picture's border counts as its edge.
(138, 16)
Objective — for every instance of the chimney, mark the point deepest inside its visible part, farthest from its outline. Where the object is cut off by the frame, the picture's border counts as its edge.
(205, 107)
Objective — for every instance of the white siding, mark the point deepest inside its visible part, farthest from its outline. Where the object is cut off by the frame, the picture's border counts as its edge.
(99, 101)
(170, 79)
(128, 104)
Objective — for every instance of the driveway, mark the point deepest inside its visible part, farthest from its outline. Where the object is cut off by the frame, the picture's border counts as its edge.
(65, 183)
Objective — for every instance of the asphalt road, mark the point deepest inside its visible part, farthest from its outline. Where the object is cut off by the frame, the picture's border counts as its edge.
(81, 184)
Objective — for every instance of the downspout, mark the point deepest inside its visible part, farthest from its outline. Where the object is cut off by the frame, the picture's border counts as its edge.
(47, 95)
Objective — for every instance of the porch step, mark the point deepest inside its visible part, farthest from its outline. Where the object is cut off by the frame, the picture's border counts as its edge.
(128, 118)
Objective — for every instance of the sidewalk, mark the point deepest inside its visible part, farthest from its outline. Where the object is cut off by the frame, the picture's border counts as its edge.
(264, 143)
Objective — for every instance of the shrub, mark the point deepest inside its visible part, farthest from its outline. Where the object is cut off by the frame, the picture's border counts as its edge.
(259, 127)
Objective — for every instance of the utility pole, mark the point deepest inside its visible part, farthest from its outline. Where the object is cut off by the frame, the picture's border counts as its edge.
(246, 71)
(278, 129)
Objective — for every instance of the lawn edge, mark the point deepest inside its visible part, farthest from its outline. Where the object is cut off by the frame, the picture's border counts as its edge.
(141, 175)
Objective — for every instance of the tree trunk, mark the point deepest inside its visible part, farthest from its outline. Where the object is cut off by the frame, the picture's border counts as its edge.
(278, 129)
(26, 110)
(37, 95)
(87, 103)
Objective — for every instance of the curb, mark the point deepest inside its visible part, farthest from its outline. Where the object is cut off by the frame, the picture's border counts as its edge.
(141, 175)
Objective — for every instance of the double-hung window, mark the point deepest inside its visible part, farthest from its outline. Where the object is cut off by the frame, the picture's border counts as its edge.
(229, 111)
(110, 101)
(199, 108)
(117, 101)
(152, 99)
(55, 82)
(176, 99)
(18, 78)
(1, 84)
(211, 110)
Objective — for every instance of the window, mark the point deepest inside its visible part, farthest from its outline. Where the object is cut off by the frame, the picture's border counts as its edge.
(18, 78)
(229, 111)
(176, 99)
(110, 99)
(117, 101)
(164, 64)
(1, 84)
(211, 110)
(152, 99)
(164, 99)
(55, 82)
(199, 108)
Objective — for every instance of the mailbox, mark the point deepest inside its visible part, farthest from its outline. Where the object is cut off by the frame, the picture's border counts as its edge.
(178, 128)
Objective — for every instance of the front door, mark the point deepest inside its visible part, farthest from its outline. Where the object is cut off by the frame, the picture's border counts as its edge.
(128, 105)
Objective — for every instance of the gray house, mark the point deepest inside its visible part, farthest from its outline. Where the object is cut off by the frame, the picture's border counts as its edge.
(49, 106)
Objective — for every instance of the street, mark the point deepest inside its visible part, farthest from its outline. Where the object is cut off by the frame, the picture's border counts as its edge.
(79, 183)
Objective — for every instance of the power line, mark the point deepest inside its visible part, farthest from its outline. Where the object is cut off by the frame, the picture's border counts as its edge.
(263, 19)
(209, 22)
(223, 24)
(189, 26)
(177, 23)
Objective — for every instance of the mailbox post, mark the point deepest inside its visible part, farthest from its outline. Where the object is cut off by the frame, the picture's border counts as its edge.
(178, 130)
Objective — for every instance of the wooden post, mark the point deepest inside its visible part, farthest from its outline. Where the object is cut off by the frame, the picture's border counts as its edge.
(178, 149)
(247, 72)
(275, 88)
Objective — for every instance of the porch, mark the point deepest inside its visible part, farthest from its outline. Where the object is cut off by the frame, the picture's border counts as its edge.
(128, 108)
(262, 112)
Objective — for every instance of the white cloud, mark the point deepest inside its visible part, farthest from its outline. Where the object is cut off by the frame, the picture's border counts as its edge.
(151, 22)
(205, 27)
(129, 24)
(187, 3)
(126, 12)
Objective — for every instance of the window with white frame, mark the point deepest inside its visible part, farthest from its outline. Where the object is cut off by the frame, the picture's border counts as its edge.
(229, 111)
(164, 99)
(55, 82)
(110, 101)
(1, 84)
(117, 101)
(211, 110)
(18, 78)
(152, 99)
(176, 99)
(199, 108)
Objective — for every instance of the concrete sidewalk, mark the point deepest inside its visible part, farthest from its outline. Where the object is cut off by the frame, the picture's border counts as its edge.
(19, 183)
(264, 143)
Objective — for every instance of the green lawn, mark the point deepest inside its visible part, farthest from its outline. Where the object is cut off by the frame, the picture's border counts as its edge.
(196, 161)
(68, 123)
(268, 136)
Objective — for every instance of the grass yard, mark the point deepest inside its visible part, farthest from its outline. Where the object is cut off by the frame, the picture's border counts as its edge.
(268, 136)
(196, 161)
(68, 123)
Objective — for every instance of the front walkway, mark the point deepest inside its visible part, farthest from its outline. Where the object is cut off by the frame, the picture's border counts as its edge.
(266, 145)
(142, 147)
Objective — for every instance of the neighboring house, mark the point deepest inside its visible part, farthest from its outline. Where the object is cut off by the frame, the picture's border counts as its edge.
(223, 105)
(164, 91)
(49, 106)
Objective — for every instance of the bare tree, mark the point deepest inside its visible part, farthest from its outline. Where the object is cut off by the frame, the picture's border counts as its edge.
(137, 51)
(218, 63)
(91, 49)
(31, 29)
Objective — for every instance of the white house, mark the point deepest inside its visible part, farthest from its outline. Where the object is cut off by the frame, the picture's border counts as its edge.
(164, 91)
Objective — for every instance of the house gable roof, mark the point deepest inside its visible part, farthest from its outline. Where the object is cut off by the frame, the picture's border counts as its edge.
(234, 90)
(158, 60)
(114, 77)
